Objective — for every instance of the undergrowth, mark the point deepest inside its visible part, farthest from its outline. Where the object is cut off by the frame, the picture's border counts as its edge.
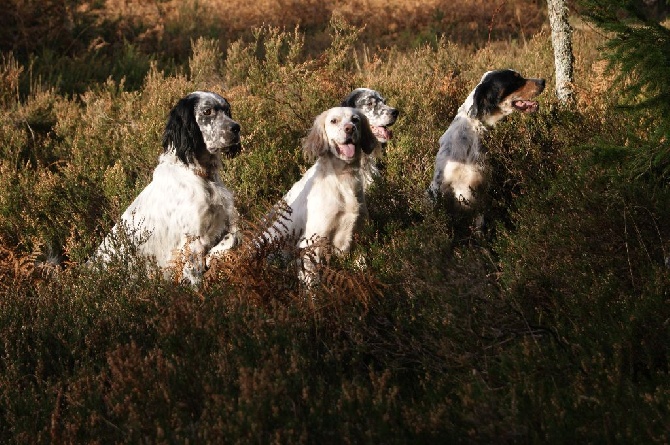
(551, 326)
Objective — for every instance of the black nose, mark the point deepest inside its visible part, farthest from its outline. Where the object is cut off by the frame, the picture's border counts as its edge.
(541, 83)
(394, 112)
(235, 128)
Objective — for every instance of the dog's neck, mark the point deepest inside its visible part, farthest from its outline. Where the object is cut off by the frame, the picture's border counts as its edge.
(205, 165)
(341, 167)
(480, 127)
(467, 111)
(473, 123)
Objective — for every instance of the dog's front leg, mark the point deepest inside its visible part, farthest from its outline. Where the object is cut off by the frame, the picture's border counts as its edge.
(229, 241)
(192, 260)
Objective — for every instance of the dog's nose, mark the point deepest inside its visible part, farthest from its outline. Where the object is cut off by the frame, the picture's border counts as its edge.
(394, 112)
(348, 128)
(541, 83)
(235, 127)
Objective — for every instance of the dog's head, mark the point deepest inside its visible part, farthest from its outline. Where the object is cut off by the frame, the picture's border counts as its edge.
(201, 123)
(344, 132)
(373, 105)
(503, 92)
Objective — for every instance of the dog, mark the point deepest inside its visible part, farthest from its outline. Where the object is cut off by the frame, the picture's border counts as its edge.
(328, 202)
(380, 116)
(460, 169)
(185, 215)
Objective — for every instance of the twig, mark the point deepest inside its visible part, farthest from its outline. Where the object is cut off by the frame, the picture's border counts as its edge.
(493, 17)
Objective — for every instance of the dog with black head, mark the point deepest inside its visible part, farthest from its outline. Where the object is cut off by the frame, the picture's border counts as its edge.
(460, 164)
(381, 116)
(185, 215)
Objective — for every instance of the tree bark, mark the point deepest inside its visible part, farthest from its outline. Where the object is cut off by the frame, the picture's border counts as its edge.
(561, 40)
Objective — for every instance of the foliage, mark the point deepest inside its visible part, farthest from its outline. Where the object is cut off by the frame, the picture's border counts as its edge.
(69, 43)
(549, 327)
(639, 51)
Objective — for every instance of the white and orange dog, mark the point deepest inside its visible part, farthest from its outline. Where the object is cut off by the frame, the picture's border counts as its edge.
(328, 202)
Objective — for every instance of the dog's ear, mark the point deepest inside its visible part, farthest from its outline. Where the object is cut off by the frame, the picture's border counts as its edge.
(316, 143)
(369, 141)
(486, 99)
(350, 100)
(182, 132)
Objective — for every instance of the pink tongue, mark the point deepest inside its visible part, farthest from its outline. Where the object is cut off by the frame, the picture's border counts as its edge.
(347, 150)
(382, 132)
(527, 106)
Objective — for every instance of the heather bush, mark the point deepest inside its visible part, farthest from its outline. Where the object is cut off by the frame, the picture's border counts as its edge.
(549, 326)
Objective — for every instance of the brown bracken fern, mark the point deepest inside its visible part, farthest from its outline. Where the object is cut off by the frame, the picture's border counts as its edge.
(266, 270)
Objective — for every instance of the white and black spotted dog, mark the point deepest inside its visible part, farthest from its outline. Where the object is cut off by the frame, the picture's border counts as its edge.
(380, 116)
(185, 215)
(328, 202)
(460, 168)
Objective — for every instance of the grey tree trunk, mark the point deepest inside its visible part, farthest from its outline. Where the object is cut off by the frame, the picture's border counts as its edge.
(561, 40)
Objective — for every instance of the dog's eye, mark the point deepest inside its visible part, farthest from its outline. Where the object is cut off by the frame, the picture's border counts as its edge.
(355, 118)
(333, 120)
(207, 111)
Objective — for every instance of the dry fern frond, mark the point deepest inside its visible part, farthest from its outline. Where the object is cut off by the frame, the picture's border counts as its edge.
(260, 269)
(15, 268)
(342, 286)
(268, 268)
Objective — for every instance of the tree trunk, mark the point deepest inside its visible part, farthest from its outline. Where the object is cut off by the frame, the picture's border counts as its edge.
(561, 40)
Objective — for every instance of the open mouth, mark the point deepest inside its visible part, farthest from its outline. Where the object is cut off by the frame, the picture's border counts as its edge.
(232, 150)
(383, 134)
(526, 106)
(346, 150)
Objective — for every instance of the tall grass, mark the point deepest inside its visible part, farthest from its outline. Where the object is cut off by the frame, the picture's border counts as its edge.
(551, 327)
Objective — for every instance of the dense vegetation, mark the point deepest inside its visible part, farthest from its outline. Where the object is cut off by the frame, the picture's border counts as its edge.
(553, 326)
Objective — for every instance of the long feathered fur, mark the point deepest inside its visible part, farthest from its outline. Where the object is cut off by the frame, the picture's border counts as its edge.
(328, 202)
(185, 214)
(460, 167)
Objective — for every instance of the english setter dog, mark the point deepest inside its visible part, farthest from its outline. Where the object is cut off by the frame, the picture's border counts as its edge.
(460, 162)
(185, 215)
(380, 116)
(328, 202)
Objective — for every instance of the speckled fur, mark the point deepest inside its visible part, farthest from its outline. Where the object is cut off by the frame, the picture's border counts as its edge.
(460, 162)
(380, 116)
(185, 214)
